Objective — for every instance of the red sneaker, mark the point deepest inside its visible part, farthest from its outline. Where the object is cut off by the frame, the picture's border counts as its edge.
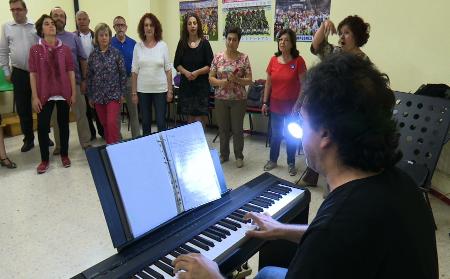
(43, 167)
(65, 161)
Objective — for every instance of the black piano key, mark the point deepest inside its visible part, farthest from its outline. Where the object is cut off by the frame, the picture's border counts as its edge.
(258, 203)
(212, 236)
(167, 269)
(144, 275)
(167, 261)
(204, 240)
(254, 208)
(219, 234)
(236, 224)
(237, 218)
(181, 251)
(238, 214)
(174, 254)
(278, 191)
(227, 225)
(287, 189)
(271, 195)
(265, 200)
(240, 211)
(189, 248)
(221, 230)
(199, 244)
(153, 273)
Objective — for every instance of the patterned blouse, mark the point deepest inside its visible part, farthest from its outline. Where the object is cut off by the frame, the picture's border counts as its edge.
(107, 77)
(224, 68)
(326, 49)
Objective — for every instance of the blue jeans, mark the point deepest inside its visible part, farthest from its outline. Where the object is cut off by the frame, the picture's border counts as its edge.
(278, 126)
(159, 102)
(272, 272)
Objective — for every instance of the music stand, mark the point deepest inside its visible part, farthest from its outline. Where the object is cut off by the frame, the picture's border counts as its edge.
(423, 124)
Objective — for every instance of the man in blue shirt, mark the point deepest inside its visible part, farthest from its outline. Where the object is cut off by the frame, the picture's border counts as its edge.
(126, 46)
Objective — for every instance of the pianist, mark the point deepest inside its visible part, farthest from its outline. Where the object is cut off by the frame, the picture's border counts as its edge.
(374, 223)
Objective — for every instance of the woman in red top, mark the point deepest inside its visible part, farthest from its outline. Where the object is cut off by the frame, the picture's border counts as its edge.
(284, 74)
(52, 81)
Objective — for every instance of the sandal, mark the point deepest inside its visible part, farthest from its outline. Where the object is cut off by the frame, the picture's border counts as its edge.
(8, 163)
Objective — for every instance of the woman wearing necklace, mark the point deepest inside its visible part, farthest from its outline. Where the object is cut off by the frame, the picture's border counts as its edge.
(284, 74)
(106, 82)
(353, 34)
(193, 59)
(151, 73)
(52, 80)
(230, 73)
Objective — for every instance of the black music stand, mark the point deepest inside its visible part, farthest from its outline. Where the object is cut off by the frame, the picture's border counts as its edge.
(423, 124)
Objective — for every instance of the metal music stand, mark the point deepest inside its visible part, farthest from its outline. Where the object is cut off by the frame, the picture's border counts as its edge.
(423, 124)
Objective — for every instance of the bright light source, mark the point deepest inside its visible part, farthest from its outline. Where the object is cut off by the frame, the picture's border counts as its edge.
(295, 130)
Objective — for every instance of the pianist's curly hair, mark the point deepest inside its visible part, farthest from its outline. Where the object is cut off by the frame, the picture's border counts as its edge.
(352, 99)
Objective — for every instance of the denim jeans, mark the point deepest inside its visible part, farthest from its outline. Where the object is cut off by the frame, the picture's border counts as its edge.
(272, 272)
(159, 103)
(278, 126)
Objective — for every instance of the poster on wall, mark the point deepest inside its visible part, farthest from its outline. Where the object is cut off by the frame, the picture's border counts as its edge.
(252, 16)
(207, 12)
(302, 16)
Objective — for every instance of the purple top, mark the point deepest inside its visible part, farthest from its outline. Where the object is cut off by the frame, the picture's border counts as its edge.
(107, 77)
(51, 64)
(73, 42)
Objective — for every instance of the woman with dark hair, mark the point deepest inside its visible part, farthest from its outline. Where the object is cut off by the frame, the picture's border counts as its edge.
(193, 58)
(230, 73)
(284, 74)
(52, 80)
(106, 82)
(353, 34)
(151, 73)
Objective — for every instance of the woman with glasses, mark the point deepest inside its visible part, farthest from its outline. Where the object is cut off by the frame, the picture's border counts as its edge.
(284, 74)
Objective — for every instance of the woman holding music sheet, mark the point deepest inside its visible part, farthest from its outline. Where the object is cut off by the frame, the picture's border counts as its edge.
(230, 72)
(151, 73)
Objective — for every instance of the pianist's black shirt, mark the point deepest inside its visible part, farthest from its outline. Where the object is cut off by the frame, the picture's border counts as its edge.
(376, 227)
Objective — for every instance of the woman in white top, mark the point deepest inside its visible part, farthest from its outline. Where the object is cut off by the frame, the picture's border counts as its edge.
(151, 73)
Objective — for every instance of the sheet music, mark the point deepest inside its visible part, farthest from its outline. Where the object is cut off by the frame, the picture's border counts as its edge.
(194, 167)
(144, 183)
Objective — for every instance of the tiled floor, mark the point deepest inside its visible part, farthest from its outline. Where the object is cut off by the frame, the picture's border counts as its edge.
(52, 225)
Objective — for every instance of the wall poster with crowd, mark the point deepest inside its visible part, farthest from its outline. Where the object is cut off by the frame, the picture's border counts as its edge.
(252, 16)
(302, 16)
(207, 10)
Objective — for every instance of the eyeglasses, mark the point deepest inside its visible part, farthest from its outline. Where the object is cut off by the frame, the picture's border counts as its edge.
(17, 10)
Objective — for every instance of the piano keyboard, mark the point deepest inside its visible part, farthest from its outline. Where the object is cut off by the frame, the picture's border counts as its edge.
(225, 235)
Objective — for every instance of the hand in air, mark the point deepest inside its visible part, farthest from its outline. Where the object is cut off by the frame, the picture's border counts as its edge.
(329, 27)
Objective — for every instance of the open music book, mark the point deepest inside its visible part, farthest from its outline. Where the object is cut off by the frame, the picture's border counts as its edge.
(162, 175)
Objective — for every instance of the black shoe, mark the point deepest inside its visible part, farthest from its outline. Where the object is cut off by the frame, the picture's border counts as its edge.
(50, 143)
(27, 146)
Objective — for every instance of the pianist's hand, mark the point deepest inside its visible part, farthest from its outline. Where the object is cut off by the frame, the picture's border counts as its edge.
(194, 266)
(268, 228)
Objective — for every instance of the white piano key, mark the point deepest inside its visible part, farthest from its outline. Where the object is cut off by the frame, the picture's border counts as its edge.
(285, 201)
(163, 273)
